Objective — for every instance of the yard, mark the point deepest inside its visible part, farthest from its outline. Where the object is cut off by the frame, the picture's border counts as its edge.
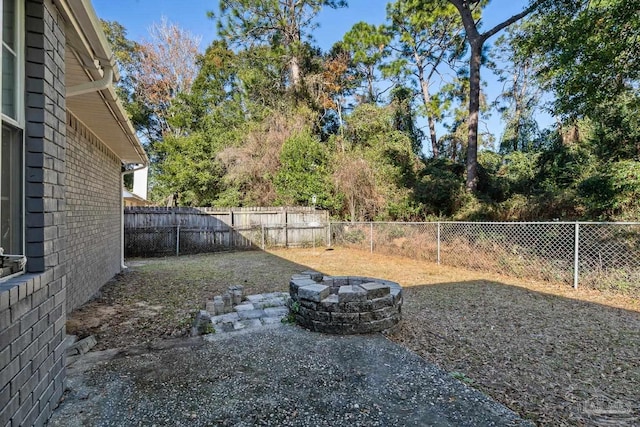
(553, 354)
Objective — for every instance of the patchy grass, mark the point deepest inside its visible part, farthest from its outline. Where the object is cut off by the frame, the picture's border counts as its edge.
(157, 298)
(553, 354)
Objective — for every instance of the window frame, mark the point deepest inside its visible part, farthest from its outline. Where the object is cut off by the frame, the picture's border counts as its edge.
(16, 123)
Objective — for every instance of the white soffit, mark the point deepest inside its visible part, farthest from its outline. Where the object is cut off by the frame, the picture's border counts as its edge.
(101, 111)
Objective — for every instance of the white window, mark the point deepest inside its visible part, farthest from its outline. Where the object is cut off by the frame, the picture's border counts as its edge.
(12, 139)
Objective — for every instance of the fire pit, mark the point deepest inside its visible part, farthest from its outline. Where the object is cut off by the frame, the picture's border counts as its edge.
(344, 304)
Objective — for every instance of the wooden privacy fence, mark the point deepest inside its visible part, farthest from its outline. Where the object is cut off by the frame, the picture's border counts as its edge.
(153, 231)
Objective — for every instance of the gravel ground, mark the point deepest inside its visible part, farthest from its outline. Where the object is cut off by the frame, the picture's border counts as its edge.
(282, 376)
(555, 355)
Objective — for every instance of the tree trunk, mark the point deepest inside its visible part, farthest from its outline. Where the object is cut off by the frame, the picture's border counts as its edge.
(474, 112)
(352, 208)
(476, 40)
(370, 77)
(426, 98)
(294, 72)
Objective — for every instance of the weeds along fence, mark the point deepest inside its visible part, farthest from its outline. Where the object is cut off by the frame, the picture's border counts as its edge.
(596, 255)
(152, 231)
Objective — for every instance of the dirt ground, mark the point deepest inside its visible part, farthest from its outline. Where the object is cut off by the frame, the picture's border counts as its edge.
(555, 355)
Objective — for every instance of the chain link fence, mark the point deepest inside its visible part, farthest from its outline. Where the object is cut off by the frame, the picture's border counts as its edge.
(597, 255)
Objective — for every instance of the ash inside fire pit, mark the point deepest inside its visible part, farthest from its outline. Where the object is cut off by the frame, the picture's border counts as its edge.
(344, 304)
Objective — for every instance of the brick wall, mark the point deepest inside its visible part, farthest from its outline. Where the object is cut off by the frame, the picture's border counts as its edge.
(32, 315)
(33, 306)
(93, 200)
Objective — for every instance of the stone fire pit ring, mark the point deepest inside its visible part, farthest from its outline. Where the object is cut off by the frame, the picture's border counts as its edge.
(344, 304)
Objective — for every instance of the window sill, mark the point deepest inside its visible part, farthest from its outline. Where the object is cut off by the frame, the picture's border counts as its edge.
(12, 266)
(18, 287)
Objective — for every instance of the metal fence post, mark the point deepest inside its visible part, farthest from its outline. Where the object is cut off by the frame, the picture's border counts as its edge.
(438, 256)
(576, 255)
(178, 240)
(263, 237)
(371, 236)
(328, 234)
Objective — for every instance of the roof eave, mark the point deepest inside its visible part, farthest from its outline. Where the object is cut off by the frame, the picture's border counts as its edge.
(89, 37)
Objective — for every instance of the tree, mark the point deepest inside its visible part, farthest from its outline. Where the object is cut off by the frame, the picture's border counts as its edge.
(467, 9)
(587, 54)
(355, 178)
(366, 43)
(280, 24)
(404, 118)
(303, 177)
(167, 68)
(253, 163)
(521, 94)
(426, 37)
(128, 56)
(375, 165)
(330, 87)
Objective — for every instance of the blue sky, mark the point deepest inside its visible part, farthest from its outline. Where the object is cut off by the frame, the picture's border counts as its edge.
(138, 15)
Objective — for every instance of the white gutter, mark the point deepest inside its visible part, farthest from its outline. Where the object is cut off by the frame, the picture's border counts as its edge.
(105, 82)
(93, 50)
(122, 174)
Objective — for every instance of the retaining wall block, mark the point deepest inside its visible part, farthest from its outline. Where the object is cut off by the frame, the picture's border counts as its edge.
(315, 293)
(313, 275)
(376, 290)
(349, 293)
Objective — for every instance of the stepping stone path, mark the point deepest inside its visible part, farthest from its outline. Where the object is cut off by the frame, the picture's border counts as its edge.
(231, 312)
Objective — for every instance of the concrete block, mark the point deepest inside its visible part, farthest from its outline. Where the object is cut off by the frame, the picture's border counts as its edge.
(224, 327)
(227, 299)
(236, 296)
(375, 290)
(315, 292)
(396, 293)
(340, 281)
(296, 284)
(225, 318)
(308, 304)
(330, 303)
(276, 311)
(320, 316)
(244, 307)
(381, 325)
(210, 307)
(350, 293)
(255, 298)
(345, 317)
(327, 281)
(357, 281)
(378, 303)
(251, 314)
(313, 275)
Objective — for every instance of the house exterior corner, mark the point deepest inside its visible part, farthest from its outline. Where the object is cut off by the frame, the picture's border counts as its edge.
(62, 155)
